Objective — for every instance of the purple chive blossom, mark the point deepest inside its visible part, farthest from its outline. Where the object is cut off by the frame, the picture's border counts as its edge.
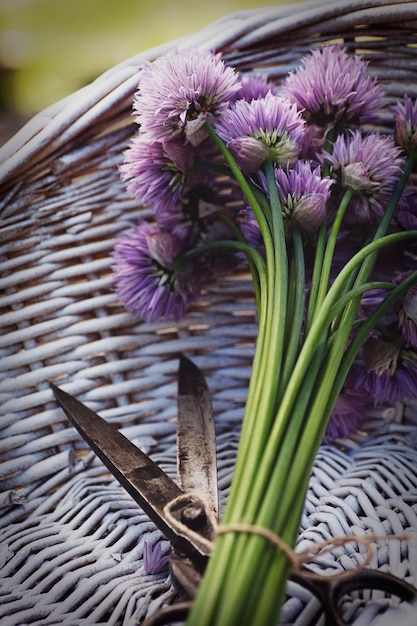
(255, 86)
(156, 173)
(407, 314)
(146, 279)
(188, 219)
(408, 318)
(153, 561)
(250, 229)
(405, 128)
(182, 89)
(391, 371)
(370, 166)
(332, 87)
(406, 214)
(303, 194)
(346, 417)
(267, 128)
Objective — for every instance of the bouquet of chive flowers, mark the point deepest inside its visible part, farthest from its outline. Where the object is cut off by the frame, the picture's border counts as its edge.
(294, 180)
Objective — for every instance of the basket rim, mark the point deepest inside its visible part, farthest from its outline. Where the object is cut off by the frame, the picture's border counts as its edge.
(57, 123)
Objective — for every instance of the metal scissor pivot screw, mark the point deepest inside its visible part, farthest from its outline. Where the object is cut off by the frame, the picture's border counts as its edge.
(194, 516)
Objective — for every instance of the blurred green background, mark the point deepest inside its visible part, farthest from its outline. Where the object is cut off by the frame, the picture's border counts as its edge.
(49, 48)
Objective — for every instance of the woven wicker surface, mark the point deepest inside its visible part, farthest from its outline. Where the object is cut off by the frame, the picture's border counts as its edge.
(71, 539)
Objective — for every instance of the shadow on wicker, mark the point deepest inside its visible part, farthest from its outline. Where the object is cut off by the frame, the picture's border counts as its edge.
(71, 539)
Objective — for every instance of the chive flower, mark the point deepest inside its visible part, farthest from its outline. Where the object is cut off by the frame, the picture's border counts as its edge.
(332, 87)
(255, 86)
(405, 125)
(303, 193)
(153, 560)
(147, 279)
(269, 128)
(370, 166)
(179, 91)
(406, 214)
(391, 371)
(347, 415)
(407, 313)
(158, 172)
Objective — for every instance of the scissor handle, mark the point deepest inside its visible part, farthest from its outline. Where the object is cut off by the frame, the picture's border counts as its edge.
(169, 614)
(331, 589)
(328, 589)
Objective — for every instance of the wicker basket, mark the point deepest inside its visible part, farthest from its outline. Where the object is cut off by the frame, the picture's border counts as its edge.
(72, 540)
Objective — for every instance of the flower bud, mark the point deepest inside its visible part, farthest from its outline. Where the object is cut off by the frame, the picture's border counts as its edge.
(359, 210)
(310, 211)
(406, 138)
(405, 125)
(181, 155)
(163, 247)
(249, 153)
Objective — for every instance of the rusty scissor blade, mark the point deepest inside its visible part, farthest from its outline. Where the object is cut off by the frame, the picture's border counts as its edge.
(196, 437)
(142, 478)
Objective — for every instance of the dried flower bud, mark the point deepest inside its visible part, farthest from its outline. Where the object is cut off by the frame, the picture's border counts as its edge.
(356, 177)
(410, 304)
(381, 356)
(195, 131)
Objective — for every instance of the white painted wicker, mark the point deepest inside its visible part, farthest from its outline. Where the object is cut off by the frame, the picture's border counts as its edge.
(71, 538)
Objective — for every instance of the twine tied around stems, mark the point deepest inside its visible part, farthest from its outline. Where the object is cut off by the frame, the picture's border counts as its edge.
(308, 555)
(328, 588)
(297, 560)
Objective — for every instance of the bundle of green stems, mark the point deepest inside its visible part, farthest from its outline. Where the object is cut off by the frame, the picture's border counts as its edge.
(293, 388)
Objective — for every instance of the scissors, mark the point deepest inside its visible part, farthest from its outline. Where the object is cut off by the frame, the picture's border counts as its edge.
(186, 512)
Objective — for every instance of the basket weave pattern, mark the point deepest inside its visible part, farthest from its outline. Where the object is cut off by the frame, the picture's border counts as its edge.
(71, 544)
